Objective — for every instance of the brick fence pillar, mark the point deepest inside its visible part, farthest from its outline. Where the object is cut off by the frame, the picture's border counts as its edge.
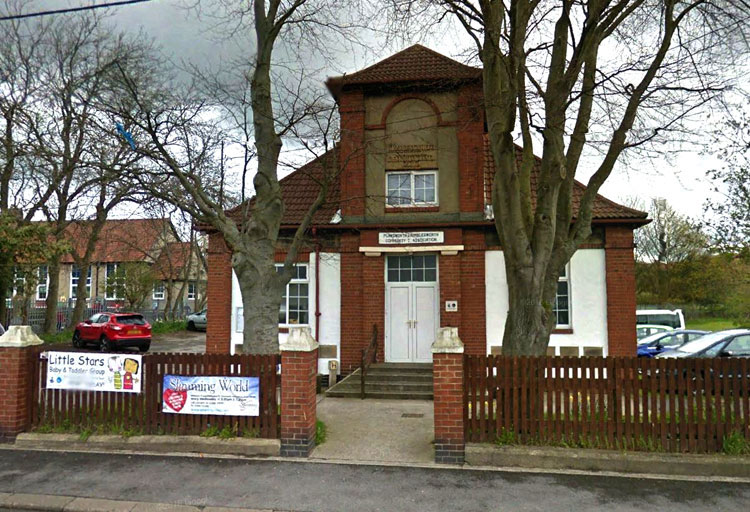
(15, 382)
(621, 303)
(448, 381)
(299, 368)
(219, 296)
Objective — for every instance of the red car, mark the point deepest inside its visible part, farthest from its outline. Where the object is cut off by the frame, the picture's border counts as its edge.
(114, 330)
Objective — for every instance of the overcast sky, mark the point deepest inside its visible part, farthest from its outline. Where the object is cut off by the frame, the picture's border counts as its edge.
(678, 176)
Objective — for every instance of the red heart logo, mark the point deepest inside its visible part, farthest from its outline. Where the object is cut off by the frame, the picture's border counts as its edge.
(175, 399)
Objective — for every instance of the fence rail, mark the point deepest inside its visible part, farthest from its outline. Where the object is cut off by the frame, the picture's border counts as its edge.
(677, 405)
(142, 412)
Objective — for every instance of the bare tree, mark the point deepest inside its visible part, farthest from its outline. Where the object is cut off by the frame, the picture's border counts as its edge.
(611, 75)
(182, 137)
(670, 237)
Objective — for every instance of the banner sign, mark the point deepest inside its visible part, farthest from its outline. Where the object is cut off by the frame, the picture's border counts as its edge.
(85, 371)
(224, 396)
(412, 237)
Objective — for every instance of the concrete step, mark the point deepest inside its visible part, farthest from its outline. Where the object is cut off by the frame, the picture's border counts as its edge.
(395, 395)
(389, 380)
(386, 386)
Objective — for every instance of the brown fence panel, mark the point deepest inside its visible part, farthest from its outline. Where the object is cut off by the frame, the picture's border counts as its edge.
(101, 411)
(685, 405)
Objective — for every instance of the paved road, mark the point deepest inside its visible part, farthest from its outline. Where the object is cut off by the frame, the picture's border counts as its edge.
(303, 486)
(180, 341)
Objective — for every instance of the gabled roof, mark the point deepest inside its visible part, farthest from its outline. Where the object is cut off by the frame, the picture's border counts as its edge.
(603, 208)
(120, 240)
(300, 189)
(414, 64)
(173, 260)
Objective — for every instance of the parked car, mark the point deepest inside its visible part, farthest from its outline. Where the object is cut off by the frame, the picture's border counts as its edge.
(643, 331)
(731, 343)
(110, 331)
(657, 343)
(197, 321)
(671, 318)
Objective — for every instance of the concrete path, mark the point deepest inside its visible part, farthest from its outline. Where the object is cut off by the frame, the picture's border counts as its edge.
(377, 430)
(307, 486)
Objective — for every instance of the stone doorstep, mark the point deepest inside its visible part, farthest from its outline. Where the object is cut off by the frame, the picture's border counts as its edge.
(48, 503)
(165, 443)
(671, 464)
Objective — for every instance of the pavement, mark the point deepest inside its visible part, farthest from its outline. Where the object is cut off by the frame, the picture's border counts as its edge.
(158, 482)
(376, 430)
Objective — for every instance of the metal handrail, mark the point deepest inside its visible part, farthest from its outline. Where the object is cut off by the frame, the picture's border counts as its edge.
(369, 356)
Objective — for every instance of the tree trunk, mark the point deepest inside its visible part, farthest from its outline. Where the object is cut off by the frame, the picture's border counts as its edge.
(530, 317)
(53, 293)
(260, 301)
(81, 295)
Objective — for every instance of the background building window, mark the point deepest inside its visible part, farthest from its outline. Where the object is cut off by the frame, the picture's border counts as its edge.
(562, 300)
(411, 188)
(41, 287)
(75, 275)
(159, 290)
(191, 290)
(114, 282)
(295, 309)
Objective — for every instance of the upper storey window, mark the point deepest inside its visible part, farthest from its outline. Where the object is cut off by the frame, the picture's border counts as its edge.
(411, 188)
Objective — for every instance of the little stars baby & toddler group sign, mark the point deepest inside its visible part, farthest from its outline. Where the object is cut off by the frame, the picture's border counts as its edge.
(94, 372)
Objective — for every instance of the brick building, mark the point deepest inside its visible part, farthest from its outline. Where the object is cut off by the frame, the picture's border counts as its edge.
(406, 240)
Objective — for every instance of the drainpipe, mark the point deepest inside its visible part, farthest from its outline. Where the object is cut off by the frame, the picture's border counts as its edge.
(317, 285)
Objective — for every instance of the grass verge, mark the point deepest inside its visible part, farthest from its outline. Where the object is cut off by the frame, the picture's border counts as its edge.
(711, 324)
(321, 432)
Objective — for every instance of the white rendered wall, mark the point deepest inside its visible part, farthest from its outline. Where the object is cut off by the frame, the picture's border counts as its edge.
(588, 301)
(330, 304)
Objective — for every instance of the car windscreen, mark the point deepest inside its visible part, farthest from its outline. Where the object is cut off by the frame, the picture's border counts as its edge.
(131, 320)
(702, 342)
(651, 338)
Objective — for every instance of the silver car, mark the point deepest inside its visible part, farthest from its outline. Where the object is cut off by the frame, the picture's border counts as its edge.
(197, 321)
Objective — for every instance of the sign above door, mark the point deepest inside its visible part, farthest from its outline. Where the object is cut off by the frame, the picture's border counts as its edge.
(411, 237)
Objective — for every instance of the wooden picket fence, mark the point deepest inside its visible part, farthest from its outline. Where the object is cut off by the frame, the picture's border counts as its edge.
(675, 405)
(142, 412)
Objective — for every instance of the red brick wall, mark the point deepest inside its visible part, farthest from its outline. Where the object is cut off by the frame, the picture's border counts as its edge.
(473, 332)
(14, 390)
(470, 131)
(621, 304)
(373, 284)
(352, 153)
(448, 403)
(218, 296)
(352, 311)
(298, 407)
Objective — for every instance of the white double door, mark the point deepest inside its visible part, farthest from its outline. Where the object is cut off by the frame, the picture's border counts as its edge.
(411, 308)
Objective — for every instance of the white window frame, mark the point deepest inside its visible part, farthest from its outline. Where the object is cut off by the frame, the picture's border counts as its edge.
(158, 295)
(412, 180)
(107, 286)
(295, 280)
(74, 282)
(41, 285)
(18, 279)
(191, 294)
(566, 279)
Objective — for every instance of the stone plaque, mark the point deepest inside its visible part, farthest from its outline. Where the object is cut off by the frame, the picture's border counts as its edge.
(411, 156)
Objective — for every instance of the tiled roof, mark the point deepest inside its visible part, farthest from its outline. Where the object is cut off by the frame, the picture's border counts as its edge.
(414, 64)
(120, 240)
(172, 261)
(603, 208)
(300, 189)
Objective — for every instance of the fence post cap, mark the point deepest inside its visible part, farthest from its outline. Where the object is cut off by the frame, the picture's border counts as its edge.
(19, 336)
(448, 342)
(300, 339)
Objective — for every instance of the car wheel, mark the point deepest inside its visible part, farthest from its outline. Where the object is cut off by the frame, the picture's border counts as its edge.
(105, 345)
(191, 325)
(77, 341)
(144, 348)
